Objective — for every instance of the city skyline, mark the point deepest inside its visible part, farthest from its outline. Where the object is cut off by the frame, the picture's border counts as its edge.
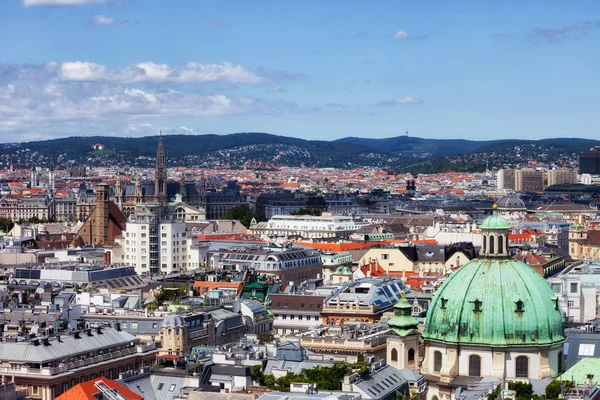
(309, 70)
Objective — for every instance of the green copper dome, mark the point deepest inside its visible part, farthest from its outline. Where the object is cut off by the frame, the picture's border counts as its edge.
(494, 221)
(403, 322)
(495, 302)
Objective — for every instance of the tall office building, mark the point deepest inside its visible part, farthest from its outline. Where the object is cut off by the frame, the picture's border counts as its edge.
(506, 179)
(589, 161)
(529, 180)
(561, 177)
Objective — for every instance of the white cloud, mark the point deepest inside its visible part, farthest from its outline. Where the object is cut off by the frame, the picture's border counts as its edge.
(33, 3)
(400, 101)
(152, 72)
(277, 89)
(401, 35)
(102, 20)
(75, 98)
(146, 129)
(82, 71)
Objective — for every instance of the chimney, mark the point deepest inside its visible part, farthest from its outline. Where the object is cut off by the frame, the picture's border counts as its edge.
(89, 332)
(36, 341)
(99, 330)
(76, 335)
(59, 339)
(118, 326)
(45, 341)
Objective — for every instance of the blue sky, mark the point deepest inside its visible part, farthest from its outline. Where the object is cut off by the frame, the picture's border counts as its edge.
(310, 69)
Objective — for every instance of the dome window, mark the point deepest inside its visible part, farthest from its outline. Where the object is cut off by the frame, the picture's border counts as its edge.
(477, 305)
(520, 309)
(444, 301)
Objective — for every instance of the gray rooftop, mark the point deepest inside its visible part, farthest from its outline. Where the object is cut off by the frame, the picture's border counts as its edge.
(69, 346)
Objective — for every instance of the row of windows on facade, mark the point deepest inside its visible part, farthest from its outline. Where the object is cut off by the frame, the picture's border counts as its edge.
(521, 364)
(144, 243)
(175, 235)
(310, 305)
(301, 317)
(163, 258)
(165, 266)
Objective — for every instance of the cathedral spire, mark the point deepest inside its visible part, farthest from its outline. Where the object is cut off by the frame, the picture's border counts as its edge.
(160, 175)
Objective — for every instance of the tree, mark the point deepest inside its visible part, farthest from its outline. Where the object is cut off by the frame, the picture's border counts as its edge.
(258, 375)
(524, 391)
(6, 224)
(553, 390)
(243, 213)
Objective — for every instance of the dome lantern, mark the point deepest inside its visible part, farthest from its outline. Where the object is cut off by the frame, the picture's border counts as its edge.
(495, 235)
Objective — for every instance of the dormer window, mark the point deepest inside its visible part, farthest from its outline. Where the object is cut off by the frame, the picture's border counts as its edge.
(520, 308)
(444, 302)
(477, 305)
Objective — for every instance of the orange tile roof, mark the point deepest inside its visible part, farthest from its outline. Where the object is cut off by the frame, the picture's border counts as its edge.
(87, 390)
(337, 247)
(206, 287)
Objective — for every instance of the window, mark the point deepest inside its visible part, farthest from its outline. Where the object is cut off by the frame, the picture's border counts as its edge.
(411, 355)
(522, 367)
(556, 288)
(573, 287)
(134, 325)
(484, 243)
(571, 303)
(160, 386)
(385, 256)
(474, 365)
(560, 362)
(587, 349)
(437, 361)
(500, 244)
(491, 245)
(394, 355)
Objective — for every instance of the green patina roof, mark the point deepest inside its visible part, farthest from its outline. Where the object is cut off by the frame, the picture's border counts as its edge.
(494, 221)
(579, 372)
(498, 288)
(342, 270)
(403, 323)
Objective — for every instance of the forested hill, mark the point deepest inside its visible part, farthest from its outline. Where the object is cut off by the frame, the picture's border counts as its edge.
(417, 154)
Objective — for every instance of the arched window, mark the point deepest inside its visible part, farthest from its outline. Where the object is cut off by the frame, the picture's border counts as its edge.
(434, 398)
(484, 243)
(500, 244)
(522, 367)
(474, 365)
(411, 355)
(491, 245)
(437, 361)
(394, 355)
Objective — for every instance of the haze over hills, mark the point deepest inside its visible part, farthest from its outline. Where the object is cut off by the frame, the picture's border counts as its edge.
(399, 153)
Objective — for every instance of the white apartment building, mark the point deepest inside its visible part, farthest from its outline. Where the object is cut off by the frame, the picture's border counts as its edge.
(155, 241)
(577, 288)
(454, 233)
(307, 227)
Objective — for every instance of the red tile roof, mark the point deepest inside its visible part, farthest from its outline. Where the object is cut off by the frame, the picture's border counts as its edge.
(88, 389)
